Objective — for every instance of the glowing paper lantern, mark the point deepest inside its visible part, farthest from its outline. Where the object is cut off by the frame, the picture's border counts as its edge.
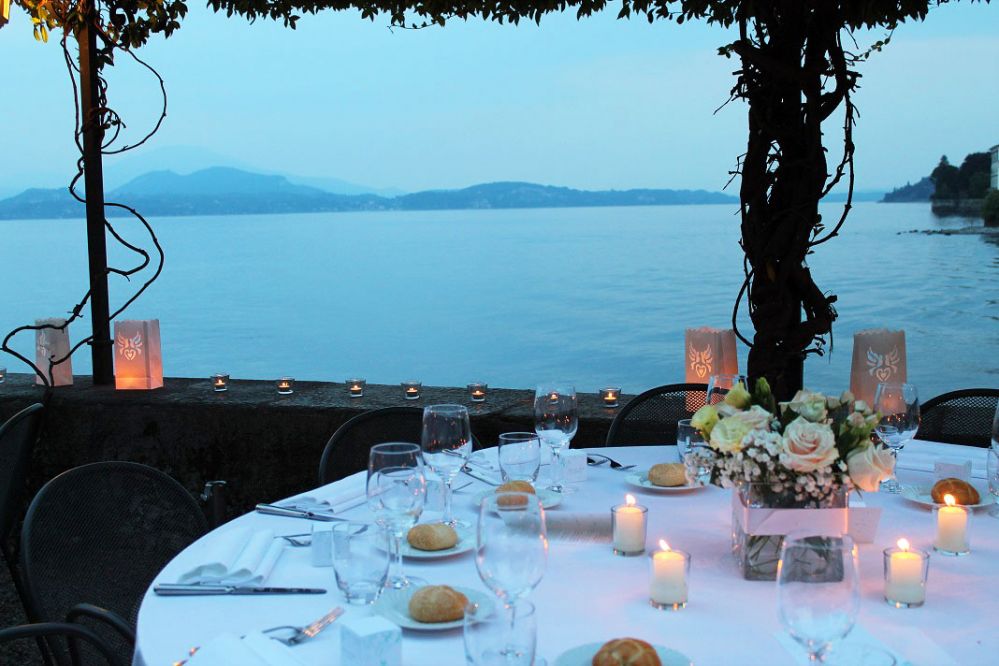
(709, 351)
(878, 356)
(138, 361)
(52, 344)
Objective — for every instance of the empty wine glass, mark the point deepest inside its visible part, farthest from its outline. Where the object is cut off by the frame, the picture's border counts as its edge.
(898, 405)
(447, 443)
(720, 385)
(519, 456)
(397, 492)
(556, 419)
(500, 635)
(818, 590)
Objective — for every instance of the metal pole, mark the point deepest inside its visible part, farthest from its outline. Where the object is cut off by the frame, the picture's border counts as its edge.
(93, 137)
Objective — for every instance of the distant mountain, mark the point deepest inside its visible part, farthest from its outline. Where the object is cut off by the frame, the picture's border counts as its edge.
(867, 195)
(227, 191)
(919, 191)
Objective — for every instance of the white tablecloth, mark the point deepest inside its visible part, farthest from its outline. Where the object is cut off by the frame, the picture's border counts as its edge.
(589, 595)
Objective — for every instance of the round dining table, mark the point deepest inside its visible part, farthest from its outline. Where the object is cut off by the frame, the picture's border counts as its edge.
(589, 595)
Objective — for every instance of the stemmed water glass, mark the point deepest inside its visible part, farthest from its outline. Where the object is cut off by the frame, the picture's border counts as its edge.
(447, 444)
(818, 590)
(898, 405)
(720, 385)
(397, 492)
(556, 419)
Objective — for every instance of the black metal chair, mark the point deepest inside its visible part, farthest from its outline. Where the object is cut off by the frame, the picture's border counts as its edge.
(960, 417)
(650, 417)
(93, 540)
(347, 450)
(63, 631)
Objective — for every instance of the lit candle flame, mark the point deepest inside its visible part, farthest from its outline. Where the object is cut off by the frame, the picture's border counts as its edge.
(553, 397)
(630, 500)
(903, 544)
(663, 545)
(949, 500)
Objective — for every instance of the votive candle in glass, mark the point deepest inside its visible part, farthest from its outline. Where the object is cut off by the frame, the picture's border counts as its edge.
(477, 391)
(286, 385)
(3, 375)
(628, 523)
(668, 578)
(411, 389)
(609, 396)
(905, 575)
(355, 387)
(220, 382)
(952, 527)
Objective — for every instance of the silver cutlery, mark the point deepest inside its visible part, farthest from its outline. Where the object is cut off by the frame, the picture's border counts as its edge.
(297, 540)
(275, 510)
(613, 463)
(183, 590)
(469, 472)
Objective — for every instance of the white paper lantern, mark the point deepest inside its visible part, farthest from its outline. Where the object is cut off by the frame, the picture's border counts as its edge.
(878, 357)
(52, 344)
(138, 361)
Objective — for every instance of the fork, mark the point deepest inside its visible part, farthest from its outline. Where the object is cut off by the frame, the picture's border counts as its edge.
(613, 463)
(298, 635)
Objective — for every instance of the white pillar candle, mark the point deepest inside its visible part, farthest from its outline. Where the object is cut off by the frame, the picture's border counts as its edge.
(952, 527)
(904, 583)
(668, 584)
(629, 527)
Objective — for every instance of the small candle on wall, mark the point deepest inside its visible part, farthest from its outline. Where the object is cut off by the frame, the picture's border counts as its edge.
(905, 575)
(477, 391)
(355, 387)
(952, 528)
(628, 523)
(411, 389)
(609, 396)
(286, 385)
(668, 578)
(220, 382)
(3, 375)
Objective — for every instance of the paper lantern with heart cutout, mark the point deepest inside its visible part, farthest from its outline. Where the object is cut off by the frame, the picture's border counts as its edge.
(52, 344)
(878, 357)
(708, 351)
(138, 360)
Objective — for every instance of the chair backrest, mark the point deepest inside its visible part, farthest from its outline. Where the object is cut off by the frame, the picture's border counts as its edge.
(17, 439)
(99, 534)
(650, 417)
(960, 417)
(63, 630)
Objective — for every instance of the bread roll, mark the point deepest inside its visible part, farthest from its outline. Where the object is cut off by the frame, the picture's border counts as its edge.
(514, 487)
(437, 603)
(432, 536)
(667, 475)
(964, 493)
(626, 652)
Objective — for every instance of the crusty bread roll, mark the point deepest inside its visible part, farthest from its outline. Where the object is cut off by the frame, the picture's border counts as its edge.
(514, 487)
(626, 652)
(667, 475)
(437, 603)
(964, 493)
(432, 536)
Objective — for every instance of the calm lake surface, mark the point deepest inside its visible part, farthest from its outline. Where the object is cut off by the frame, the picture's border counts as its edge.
(511, 297)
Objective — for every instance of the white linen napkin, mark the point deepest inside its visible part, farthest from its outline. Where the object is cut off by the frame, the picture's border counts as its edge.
(240, 556)
(252, 650)
(336, 503)
(924, 461)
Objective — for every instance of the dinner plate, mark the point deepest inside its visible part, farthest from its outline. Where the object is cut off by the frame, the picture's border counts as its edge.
(466, 542)
(549, 499)
(394, 606)
(582, 655)
(642, 481)
(920, 494)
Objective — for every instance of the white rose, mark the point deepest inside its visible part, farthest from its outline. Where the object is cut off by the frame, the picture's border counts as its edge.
(727, 435)
(808, 446)
(755, 417)
(856, 420)
(811, 406)
(869, 466)
(847, 397)
(860, 406)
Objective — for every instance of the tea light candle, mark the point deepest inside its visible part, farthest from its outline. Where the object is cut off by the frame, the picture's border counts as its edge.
(411, 389)
(952, 528)
(609, 396)
(286, 385)
(628, 522)
(3, 375)
(220, 382)
(668, 580)
(477, 391)
(355, 387)
(905, 575)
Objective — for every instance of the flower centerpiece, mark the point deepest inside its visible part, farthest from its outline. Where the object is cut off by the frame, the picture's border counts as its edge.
(809, 453)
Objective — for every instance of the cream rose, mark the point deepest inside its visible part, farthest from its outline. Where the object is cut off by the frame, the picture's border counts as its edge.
(808, 446)
(704, 420)
(738, 397)
(811, 406)
(869, 466)
(755, 417)
(727, 435)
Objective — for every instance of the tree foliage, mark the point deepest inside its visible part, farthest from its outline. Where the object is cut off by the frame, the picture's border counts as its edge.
(969, 181)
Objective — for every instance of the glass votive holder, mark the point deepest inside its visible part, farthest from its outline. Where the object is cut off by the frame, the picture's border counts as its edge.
(610, 395)
(411, 389)
(220, 382)
(355, 387)
(952, 529)
(668, 574)
(905, 575)
(3, 375)
(286, 386)
(477, 391)
(628, 527)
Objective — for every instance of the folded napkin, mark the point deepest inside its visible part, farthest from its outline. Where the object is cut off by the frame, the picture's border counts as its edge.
(925, 461)
(252, 650)
(240, 556)
(335, 503)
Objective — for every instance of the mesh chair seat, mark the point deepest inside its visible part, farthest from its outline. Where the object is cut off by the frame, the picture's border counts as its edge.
(68, 631)
(960, 417)
(650, 418)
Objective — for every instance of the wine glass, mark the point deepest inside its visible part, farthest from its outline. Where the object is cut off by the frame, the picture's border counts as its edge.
(519, 456)
(995, 430)
(818, 590)
(447, 443)
(494, 638)
(397, 491)
(898, 405)
(720, 385)
(556, 420)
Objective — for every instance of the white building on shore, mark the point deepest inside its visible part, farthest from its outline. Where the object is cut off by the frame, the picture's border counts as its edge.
(994, 151)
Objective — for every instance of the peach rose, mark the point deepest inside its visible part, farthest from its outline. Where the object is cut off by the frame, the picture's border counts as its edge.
(869, 466)
(808, 446)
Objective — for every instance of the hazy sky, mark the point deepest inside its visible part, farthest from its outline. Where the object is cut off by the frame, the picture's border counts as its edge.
(598, 103)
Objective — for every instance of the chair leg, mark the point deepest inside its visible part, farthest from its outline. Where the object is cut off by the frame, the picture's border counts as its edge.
(43, 647)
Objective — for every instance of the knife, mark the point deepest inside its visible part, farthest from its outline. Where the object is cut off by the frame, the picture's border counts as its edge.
(178, 590)
(275, 510)
(469, 472)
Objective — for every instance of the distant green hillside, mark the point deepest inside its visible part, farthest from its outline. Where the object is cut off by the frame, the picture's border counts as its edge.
(948, 182)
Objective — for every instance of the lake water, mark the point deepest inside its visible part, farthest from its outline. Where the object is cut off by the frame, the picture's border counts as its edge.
(511, 297)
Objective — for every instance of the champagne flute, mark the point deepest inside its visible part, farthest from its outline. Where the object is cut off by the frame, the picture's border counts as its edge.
(397, 492)
(720, 385)
(818, 590)
(898, 405)
(556, 419)
(447, 443)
